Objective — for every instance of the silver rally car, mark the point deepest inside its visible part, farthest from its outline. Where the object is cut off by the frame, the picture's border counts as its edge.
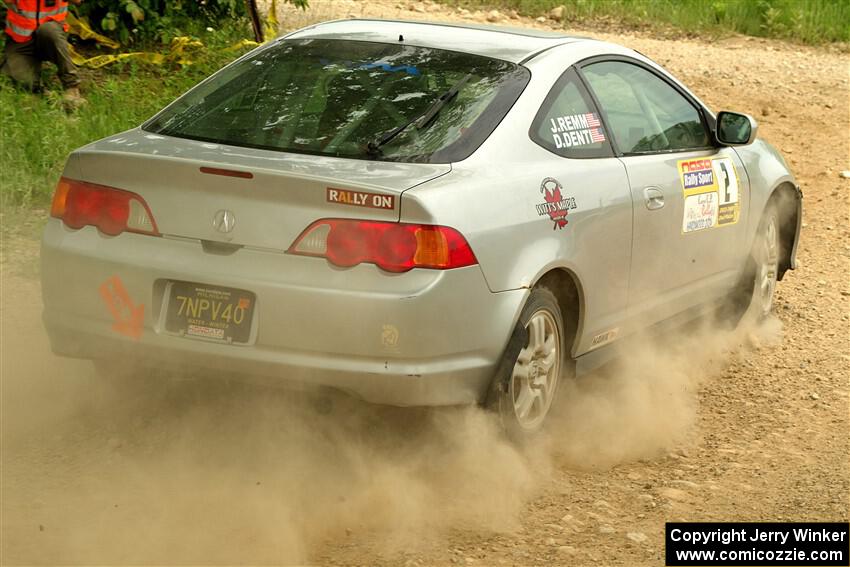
(417, 214)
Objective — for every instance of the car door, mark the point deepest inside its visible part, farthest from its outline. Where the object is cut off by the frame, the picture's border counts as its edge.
(587, 187)
(689, 196)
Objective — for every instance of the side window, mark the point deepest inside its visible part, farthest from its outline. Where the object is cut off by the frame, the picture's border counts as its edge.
(567, 123)
(644, 112)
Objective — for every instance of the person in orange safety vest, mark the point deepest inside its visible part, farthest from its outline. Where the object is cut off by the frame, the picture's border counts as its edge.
(35, 31)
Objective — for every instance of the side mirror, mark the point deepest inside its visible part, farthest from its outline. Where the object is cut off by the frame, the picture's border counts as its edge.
(735, 129)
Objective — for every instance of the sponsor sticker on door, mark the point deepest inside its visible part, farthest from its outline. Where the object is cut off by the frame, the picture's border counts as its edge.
(710, 187)
(727, 190)
(700, 212)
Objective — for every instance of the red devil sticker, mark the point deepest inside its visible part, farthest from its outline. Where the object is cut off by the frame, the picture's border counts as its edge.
(555, 205)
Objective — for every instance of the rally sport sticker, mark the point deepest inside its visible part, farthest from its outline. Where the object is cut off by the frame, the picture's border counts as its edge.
(711, 193)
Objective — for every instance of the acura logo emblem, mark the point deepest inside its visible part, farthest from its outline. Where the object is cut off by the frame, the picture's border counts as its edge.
(224, 221)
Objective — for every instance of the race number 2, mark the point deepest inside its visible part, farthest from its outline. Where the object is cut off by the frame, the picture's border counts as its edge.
(727, 191)
(727, 180)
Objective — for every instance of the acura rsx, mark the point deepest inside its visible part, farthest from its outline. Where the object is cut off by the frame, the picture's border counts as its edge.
(416, 214)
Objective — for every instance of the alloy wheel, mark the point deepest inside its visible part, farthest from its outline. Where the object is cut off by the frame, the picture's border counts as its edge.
(536, 372)
(768, 266)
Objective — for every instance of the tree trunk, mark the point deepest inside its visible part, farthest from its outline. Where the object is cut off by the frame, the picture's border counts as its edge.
(254, 14)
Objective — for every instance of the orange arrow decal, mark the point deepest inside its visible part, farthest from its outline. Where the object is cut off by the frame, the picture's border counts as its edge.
(128, 318)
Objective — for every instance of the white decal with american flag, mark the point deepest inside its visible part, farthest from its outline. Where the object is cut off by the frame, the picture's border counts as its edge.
(576, 130)
(596, 135)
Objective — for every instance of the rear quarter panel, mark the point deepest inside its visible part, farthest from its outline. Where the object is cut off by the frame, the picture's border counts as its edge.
(515, 245)
(492, 198)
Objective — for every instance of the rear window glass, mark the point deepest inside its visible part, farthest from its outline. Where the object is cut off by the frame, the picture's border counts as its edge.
(568, 123)
(343, 98)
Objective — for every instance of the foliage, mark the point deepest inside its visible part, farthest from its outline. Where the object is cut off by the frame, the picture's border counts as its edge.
(36, 135)
(808, 21)
(131, 21)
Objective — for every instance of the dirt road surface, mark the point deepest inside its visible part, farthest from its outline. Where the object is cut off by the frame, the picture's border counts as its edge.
(717, 425)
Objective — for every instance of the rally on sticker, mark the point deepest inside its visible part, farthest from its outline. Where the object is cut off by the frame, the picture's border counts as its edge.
(360, 198)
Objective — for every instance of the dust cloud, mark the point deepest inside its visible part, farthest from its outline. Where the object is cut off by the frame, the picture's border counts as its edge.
(645, 402)
(213, 471)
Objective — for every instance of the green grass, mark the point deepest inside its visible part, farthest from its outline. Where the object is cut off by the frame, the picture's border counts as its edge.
(36, 135)
(806, 21)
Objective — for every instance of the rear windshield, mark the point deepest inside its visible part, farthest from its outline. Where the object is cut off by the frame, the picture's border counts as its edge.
(346, 98)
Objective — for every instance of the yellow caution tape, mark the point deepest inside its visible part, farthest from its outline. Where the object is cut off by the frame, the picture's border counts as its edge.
(177, 52)
(99, 61)
(178, 48)
(241, 45)
(272, 25)
(81, 28)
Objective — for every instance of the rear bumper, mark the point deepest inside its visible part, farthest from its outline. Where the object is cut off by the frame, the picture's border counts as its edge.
(421, 338)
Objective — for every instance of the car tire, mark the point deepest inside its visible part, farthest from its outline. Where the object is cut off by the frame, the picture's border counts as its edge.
(765, 260)
(526, 382)
(752, 298)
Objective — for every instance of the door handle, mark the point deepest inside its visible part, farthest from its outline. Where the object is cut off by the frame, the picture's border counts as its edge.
(654, 198)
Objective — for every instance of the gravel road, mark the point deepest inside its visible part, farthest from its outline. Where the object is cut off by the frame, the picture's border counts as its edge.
(718, 426)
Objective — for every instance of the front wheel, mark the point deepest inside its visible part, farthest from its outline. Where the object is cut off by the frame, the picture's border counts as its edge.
(752, 299)
(527, 380)
(766, 259)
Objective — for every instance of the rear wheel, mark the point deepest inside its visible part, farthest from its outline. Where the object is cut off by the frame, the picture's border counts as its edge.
(527, 381)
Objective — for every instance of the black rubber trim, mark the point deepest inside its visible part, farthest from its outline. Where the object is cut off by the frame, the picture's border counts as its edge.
(791, 264)
(502, 379)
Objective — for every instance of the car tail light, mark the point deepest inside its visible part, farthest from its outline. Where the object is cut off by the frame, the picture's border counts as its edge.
(392, 246)
(111, 210)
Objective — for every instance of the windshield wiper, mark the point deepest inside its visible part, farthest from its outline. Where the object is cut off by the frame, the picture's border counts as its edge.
(421, 120)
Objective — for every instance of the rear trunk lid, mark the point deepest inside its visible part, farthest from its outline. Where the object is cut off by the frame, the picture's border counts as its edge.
(270, 197)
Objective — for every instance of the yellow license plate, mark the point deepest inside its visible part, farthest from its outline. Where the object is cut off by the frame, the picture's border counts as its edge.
(209, 312)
